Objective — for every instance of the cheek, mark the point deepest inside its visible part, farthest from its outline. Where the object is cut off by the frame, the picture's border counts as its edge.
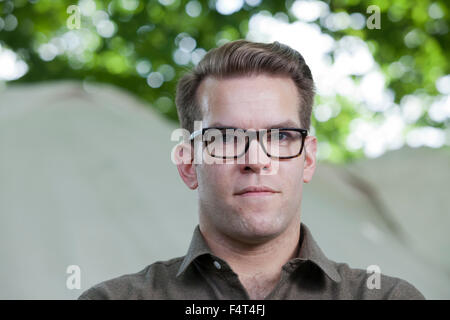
(214, 179)
(293, 177)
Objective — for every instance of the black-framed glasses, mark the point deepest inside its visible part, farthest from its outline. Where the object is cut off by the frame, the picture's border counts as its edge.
(232, 143)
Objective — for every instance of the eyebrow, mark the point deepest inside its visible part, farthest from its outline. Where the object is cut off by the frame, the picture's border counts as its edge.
(284, 124)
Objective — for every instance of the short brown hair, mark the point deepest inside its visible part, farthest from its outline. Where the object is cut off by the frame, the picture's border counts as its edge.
(242, 57)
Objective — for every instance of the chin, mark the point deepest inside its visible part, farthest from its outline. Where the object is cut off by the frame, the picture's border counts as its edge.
(259, 226)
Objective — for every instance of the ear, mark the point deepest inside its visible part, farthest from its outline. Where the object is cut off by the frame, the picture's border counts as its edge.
(183, 156)
(310, 150)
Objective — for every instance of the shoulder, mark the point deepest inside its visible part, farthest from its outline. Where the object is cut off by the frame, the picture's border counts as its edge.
(373, 284)
(144, 284)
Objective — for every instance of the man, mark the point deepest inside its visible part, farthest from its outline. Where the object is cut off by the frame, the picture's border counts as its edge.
(254, 102)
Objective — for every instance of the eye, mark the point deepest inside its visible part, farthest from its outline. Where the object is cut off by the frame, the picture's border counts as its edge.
(280, 135)
(227, 138)
(284, 135)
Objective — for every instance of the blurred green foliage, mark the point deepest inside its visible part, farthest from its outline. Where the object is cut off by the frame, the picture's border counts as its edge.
(144, 37)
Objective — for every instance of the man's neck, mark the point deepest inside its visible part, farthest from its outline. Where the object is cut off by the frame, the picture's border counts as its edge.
(257, 265)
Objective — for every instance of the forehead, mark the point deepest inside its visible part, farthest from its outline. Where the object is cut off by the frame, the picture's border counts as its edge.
(258, 101)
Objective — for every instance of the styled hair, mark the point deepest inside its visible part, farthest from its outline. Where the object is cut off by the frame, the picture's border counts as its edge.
(245, 58)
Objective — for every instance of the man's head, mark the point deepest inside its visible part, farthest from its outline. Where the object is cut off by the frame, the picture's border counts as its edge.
(244, 58)
(250, 86)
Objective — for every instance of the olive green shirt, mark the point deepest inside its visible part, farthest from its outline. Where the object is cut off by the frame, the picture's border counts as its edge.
(201, 275)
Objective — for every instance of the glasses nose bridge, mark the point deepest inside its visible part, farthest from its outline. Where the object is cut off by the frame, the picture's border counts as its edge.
(255, 134)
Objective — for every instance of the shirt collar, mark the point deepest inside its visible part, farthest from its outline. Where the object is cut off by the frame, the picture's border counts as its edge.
(309, 250)
(197, 248)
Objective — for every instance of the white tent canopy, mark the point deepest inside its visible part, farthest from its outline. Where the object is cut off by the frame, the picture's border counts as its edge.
(86, 179)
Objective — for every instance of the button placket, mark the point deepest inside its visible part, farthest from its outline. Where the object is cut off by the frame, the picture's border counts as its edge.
(217, 265)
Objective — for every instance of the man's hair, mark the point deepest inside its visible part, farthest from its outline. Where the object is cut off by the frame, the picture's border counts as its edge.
(245, 58)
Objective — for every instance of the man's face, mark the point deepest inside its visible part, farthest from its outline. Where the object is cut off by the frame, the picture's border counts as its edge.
(257, 102)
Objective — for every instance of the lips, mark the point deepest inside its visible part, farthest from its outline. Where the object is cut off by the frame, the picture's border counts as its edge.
(256, 190)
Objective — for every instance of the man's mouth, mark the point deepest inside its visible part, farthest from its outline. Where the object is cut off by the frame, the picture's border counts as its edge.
(256, 191)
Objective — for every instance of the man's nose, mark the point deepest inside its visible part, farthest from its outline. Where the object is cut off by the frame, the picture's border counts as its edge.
(256, 158)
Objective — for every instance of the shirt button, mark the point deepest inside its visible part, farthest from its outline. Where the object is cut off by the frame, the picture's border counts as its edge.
(217, 265)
